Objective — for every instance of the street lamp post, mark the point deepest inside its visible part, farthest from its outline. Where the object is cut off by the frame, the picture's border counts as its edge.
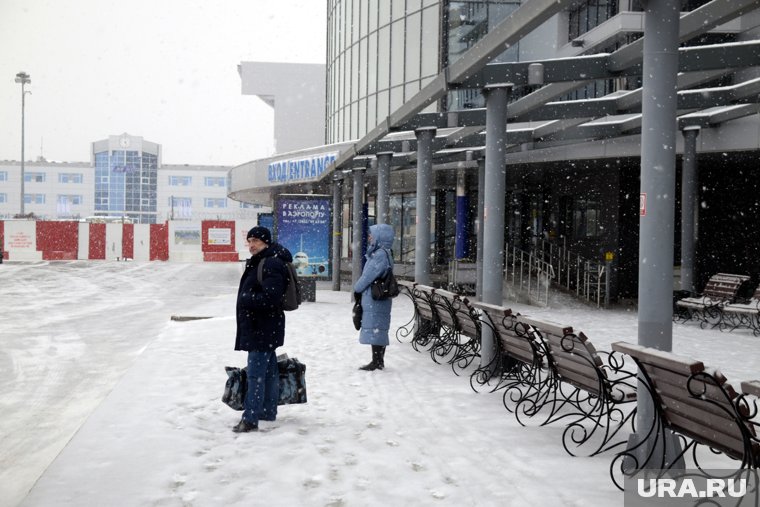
(24, 79)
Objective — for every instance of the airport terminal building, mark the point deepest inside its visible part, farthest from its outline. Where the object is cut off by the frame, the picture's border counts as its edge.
(407, 121)
(125, 180)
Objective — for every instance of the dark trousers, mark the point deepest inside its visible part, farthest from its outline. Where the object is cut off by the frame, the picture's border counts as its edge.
(263, 387)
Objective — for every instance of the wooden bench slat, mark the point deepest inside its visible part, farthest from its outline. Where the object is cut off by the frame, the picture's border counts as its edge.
(682, 402)
(586, 382)
(492, 309)
(519, 349)
(546, 326)
(660, 359)
(446, 294)
(677, 381)
(577, 365)
(469, 328)
(675, 386)
(580, 349)
(705, 433)
(426, 313)
(751, 387)
(445, 318)
(703, 413)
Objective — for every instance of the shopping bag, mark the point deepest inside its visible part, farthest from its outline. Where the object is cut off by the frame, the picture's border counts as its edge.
(292, 381)
(292, 376)
(235, 387)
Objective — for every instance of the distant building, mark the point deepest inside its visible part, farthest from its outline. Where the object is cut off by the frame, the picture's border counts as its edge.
(125, 178)
(296, 92)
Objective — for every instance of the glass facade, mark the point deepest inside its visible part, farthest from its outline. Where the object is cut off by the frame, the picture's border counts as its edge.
(589, 14)
(380, 53)
(125, 185)
(466, 22)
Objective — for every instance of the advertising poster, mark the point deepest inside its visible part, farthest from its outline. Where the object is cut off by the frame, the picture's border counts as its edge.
(303, 224)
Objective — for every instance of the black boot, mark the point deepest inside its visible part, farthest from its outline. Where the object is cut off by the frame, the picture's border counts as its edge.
(381, 356)
(377, 359)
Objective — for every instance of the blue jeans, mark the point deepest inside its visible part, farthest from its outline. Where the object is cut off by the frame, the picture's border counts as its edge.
(263, 387)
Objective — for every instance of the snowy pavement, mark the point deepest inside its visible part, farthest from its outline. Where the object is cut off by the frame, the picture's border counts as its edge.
(106, 401)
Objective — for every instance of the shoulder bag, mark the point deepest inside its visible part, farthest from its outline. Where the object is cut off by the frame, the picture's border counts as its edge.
(385, 286)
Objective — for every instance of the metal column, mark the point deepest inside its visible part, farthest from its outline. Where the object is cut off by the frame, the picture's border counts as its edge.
(689, 210)
(337, 231)
(462, 234)
(497, 97)
(358, 222)
(658, 161)
(479, 246)
(425, 138)
(384, 187)
(657, 207)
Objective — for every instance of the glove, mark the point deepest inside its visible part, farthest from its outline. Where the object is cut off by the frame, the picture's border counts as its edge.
(356, 313)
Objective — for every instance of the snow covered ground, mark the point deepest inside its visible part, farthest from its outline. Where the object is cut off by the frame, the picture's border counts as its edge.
(106, 401)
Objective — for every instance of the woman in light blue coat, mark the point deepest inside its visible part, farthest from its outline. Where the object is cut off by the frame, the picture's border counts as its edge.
(376, 316)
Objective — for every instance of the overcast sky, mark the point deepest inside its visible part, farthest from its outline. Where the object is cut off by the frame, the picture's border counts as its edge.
(165, 70)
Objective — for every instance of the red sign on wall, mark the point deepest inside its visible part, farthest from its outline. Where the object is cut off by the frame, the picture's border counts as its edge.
(643, 205)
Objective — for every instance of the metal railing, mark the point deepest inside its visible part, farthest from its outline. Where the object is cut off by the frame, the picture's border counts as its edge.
(529, 274)
(584, 277)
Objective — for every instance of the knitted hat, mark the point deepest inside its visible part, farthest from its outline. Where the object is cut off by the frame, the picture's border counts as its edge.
(261, 233)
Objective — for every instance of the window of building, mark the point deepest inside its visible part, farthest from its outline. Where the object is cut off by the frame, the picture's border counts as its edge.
(467, 23)
(34, 177)
(69, 199)
(34, 198)
(3, 175)
(403, 217)
(215, 181)
(181, 207)
(3, 198)
(180, 181)
(70, 178)
(215, 202)
(586, 218)
(589, 14)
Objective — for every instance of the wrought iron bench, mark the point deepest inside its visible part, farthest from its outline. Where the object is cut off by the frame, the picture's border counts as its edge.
(743, 315)
(424, 327)
(445, 323)
(585, 390)
(458, 342)
(518, 364)
(698, 406)
(721, 289)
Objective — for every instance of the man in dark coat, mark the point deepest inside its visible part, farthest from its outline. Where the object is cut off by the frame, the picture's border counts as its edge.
(261, 325)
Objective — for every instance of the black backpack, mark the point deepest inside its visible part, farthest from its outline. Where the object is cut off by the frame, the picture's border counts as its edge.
(292, 297)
